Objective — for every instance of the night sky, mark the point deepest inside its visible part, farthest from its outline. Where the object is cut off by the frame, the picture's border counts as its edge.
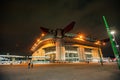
(20, 21)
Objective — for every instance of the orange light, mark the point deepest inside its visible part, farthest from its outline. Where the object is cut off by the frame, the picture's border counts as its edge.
(43, 34)
(38, 40)
(103, 43)
(81, 37)
(97, 42)
(35, 44)
(31, 49)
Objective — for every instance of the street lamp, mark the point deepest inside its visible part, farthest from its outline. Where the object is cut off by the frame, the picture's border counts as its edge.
(116, 44)
(115, 50)
(113, 34)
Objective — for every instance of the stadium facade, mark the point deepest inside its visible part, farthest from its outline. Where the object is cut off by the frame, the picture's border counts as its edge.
(70, 48)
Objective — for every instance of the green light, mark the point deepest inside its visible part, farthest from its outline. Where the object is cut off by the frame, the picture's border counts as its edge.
(116, 53)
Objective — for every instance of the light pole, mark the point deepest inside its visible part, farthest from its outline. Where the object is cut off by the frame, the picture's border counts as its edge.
(113, 34)
(116, 53)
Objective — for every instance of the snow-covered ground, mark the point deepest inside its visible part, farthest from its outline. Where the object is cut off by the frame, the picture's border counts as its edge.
(76, 71)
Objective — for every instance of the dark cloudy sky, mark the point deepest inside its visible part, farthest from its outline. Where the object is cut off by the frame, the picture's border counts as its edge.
(20, 20)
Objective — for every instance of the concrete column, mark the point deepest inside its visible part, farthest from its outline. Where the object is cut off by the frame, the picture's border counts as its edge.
(63, 53)
(58, 49)
(101, 53)
(95, 53)
(81, 53)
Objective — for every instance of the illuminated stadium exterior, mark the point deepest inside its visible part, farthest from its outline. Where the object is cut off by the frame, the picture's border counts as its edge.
(60, 46)
(71, 48)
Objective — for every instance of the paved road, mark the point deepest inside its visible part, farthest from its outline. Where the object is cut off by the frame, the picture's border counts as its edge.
(60, 72)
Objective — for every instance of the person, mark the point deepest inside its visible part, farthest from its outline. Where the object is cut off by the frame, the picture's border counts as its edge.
(20, 62)
(29, 65)
(109, 59)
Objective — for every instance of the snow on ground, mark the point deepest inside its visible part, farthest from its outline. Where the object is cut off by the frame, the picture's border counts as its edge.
(76, 71)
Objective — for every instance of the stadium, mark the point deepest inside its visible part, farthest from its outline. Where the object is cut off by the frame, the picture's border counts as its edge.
(61, 46)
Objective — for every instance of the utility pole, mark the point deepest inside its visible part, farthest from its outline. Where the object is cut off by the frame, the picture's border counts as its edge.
(116, 53)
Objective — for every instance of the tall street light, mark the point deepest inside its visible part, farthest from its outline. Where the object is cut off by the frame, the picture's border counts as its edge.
(116, 53)
(113, 34)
